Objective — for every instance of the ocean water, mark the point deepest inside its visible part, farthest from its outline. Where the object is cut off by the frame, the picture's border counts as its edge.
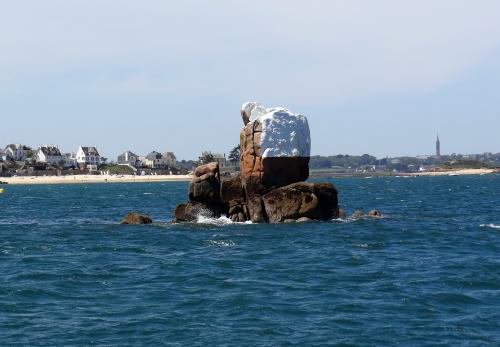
(426, 274)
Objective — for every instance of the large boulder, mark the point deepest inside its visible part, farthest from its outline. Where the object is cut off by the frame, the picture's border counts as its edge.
(205, 184)
(191, 211)
(233, 198)
(302, 200)
(275, 147)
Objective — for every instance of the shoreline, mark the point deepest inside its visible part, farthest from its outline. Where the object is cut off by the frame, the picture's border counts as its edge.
(79, 179)
(460, 172)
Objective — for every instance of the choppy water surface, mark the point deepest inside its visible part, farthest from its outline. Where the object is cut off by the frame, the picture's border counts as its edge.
(427, 274)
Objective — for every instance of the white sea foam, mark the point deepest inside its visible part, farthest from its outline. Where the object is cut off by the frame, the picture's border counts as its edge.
(221, 221)
(491, 225)
(221, 243)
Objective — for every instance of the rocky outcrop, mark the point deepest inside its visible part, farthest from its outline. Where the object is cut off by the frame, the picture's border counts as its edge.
(205, 184)
(136, 218)
(275, 147)
(204, 195)
(358, 214)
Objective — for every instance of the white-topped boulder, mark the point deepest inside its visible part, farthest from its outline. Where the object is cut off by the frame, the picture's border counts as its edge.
(275, 147)
(284, 134)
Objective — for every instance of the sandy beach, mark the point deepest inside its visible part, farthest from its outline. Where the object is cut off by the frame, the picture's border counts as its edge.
(455, 172)
(92, 179)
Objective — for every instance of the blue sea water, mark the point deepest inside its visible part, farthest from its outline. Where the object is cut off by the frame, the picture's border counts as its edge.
(426, 274)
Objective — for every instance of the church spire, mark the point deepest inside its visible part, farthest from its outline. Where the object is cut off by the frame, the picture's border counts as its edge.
(438, 146)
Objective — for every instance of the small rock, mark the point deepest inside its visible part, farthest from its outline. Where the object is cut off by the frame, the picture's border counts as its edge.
(342, 214)
(289, 220)
(357, 214)
(374, 213)
(304, 220)
(136, 218)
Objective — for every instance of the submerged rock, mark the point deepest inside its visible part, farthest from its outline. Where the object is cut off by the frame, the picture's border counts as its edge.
(357, 214)
(136, 218)
(375, 214)
(342, 214)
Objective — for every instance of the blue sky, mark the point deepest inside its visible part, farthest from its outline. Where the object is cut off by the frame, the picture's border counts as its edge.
(379, 77)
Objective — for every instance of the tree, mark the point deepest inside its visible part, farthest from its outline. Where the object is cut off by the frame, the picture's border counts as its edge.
(234, 155)
(207, 158)
(61, 163)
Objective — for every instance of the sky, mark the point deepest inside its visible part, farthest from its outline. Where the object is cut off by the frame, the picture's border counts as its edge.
(379, 77)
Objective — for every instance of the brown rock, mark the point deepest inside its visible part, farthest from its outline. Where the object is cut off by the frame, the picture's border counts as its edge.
(231, 189)
(357, 214)
(192, 210)
(291, 202)
(342, 214)
(375, 214)
(256, 210)
(136, 218)
(328, 197)
(205, 184)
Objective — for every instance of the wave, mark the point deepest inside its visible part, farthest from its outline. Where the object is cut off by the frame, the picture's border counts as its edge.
(491, 225)
(221, 243)
(221, 221)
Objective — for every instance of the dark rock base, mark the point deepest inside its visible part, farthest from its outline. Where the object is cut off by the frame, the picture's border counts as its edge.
(295, 202)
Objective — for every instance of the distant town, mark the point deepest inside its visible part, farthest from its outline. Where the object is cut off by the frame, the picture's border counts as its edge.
(49, 160)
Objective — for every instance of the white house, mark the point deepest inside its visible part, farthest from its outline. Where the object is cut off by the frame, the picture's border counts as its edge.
(169, 159)
(15, 152)
(128, 158)
(88, 156)
(69, 160)
(49, 154)
(154, 160)
(217, 157)
(3, 156)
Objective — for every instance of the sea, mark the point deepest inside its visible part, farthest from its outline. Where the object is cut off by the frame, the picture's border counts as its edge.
(427, 274)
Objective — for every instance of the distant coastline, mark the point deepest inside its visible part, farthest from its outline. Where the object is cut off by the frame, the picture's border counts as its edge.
(75, 179)
(459, 172)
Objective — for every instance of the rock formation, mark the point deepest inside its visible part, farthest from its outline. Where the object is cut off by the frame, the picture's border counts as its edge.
(275, 148)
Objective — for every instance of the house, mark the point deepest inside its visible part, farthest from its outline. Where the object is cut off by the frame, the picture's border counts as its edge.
(88, 157)
(129, 158)
(154, 160)
(3, 156)
(215, 157)
(170, 159)
(69, 160)
(14, 152)
(49, 154)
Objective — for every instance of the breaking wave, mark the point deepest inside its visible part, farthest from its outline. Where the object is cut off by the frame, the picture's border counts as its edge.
(491, 225)
(221, 221)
